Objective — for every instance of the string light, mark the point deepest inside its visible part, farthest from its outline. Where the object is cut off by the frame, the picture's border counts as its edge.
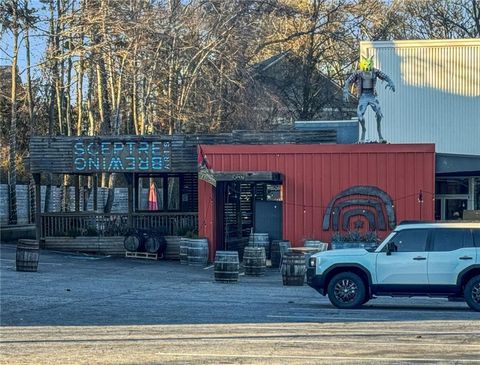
(393, 205)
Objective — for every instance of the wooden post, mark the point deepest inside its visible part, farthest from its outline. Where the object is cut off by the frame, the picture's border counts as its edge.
(95, 192)
(38, 206)
(76, 180)
(136, 190)
(130, 178)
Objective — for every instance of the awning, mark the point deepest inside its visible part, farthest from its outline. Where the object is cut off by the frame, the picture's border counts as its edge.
(249, 176)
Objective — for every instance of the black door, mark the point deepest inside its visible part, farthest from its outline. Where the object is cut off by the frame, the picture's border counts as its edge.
(268, 218)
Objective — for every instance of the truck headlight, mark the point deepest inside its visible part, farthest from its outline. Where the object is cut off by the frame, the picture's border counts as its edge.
(312, 262)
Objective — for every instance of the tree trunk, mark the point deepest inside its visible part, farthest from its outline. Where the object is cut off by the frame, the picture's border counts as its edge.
(80, 96)
(31, 189)
(12, 165)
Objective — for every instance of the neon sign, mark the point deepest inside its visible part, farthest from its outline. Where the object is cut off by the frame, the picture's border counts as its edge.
(121, 156)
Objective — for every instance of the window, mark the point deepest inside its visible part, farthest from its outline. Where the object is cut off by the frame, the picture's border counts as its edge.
(159, 193)
(476, 193)
(451, 239)
(452, 186)
(174, 193)
(411, 240)
(150, 193)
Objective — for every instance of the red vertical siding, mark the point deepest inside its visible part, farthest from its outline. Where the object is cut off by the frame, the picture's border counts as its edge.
(314, 174)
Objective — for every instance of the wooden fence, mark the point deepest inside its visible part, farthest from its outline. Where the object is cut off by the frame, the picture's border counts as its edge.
(114, 224)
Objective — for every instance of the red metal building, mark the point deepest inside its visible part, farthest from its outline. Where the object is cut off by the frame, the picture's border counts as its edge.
(325, 188)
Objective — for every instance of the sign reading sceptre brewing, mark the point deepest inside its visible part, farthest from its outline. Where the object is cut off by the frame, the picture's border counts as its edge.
(121, 156)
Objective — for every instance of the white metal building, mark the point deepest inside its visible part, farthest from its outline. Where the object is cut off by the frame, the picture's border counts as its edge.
(437, 100)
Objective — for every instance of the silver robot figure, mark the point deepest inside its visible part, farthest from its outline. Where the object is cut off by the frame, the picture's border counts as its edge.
(365, 80)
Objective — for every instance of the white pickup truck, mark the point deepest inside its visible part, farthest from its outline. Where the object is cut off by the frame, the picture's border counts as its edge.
(417, 259)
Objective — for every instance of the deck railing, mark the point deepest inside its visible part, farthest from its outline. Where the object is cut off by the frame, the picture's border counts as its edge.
(114, 224)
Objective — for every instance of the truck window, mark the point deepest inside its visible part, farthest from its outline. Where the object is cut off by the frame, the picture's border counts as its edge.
(450, 239)
(411, 240)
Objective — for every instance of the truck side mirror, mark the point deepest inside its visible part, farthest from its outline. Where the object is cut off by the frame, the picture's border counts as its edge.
(391, 247)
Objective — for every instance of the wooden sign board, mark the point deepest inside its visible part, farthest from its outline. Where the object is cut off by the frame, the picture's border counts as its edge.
(94, 155)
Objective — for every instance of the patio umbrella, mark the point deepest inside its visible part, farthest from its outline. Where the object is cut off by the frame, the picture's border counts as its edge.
(152, 197)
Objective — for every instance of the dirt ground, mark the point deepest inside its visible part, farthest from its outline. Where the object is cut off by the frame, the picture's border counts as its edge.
(455, 342)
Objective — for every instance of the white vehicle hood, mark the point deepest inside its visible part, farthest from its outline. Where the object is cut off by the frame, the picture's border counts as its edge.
(344, 252)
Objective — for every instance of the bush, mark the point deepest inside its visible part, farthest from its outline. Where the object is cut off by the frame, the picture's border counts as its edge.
(90, 231)
(73, 232)
(354, 236)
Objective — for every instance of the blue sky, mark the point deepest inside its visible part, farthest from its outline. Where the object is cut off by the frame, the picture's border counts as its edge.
(37, 42)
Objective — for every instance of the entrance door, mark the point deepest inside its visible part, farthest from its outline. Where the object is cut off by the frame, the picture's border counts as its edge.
(268, 218)
(450, 207)
(234, 215)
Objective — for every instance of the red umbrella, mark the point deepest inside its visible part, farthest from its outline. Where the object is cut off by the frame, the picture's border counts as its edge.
(152, 197)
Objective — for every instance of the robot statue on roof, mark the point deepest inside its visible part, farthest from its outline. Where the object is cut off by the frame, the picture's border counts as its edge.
(365, 80)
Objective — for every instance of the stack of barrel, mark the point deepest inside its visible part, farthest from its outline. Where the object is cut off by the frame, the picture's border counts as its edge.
(256, 253)
(261, 240)
(145, 241)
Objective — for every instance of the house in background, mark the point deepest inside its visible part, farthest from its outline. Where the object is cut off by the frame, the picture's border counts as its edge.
(285, 89)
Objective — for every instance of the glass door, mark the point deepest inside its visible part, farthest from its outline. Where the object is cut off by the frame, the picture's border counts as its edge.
(450, 207)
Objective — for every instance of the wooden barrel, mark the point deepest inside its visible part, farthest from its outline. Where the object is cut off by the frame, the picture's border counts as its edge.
(278, 249)
(317, 245)
(321, 246)
(155, 243)
(260, 240)
(254, 261)
(172, 251)
(183, 253)
(152, 244)
(134, 242)
(27, 255)
(197, 253)
(226, 266)
(293, 268)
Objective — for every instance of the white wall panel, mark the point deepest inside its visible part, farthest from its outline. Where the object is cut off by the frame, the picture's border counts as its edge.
(438, 93)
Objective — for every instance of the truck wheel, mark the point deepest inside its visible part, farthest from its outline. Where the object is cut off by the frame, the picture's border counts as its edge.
(472, 293)
(346, 290)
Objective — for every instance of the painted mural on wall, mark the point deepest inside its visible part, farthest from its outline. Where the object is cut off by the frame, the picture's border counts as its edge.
(121, 156)
(359, 204)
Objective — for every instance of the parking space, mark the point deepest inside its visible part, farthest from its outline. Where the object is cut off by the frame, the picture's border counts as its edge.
(144, 310)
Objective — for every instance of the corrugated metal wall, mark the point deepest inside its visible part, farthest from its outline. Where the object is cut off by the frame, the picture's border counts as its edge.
(314, 174)
(438, 93)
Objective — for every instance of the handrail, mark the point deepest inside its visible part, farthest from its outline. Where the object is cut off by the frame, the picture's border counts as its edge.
(88, 214)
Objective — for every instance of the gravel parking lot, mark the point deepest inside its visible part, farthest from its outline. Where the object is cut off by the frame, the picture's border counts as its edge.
(86, 309)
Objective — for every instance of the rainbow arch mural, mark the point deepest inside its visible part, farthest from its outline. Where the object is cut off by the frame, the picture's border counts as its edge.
(370, 202)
